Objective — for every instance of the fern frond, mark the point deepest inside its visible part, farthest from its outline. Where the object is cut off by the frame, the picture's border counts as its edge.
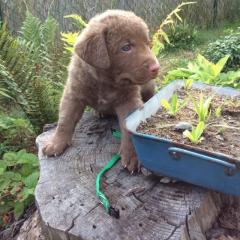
(30, 29)
(4, 93)
(48, 31)
(32, 70)
(160, 36)
(9, 88)
(69, 40)
(79, 22)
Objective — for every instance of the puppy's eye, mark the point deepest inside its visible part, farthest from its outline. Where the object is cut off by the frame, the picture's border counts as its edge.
(126, 48)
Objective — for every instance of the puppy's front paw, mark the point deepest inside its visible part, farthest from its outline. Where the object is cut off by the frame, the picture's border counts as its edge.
(129, 159)
(55, 147)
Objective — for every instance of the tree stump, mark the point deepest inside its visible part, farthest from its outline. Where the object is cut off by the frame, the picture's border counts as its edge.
(149, 209)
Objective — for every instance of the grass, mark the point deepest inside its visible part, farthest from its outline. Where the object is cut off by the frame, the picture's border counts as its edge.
(210, 35)
(179, 58)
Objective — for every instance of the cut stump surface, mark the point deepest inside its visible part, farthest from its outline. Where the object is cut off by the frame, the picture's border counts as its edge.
(149, 209)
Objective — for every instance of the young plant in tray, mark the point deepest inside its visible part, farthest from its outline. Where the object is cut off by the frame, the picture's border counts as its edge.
(195, 136)
(202, 108)
(218, 112)
(173, 106)
(188, 84)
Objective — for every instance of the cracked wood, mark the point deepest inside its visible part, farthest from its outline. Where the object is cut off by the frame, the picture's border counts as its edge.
(69, 209)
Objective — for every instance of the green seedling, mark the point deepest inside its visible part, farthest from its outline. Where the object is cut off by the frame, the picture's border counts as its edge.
(218, 112)
(195, 136)
(221, 130)
(188, 84)
(202, 108)
(173, 106)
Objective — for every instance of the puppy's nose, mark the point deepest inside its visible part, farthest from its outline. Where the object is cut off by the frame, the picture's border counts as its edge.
(154, 67)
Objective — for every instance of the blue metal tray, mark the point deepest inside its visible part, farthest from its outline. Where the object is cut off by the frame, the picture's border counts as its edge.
(190, 164)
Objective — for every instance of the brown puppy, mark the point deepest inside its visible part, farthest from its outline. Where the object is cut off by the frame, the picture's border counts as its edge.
(111, 71)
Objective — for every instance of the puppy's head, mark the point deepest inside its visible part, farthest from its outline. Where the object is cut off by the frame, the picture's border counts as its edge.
(118, 41)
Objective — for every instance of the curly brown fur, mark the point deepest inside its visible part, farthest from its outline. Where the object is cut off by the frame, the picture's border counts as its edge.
(111, 70)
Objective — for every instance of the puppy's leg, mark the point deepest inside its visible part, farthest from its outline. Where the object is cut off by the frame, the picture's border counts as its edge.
(148, 90)
(128, 155)
(71, 110)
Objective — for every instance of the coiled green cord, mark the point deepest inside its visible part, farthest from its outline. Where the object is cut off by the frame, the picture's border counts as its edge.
(103, 199)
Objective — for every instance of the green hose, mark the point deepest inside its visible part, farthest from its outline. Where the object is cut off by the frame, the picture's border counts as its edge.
(103, 199)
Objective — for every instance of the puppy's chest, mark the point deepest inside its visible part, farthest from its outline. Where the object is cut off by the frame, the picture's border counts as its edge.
(105, 97)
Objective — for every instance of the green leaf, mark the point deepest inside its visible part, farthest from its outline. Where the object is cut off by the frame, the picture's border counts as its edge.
(200, 70)
(195, 135)
(157, 46)
(189, 135)
(165, 36)
(174, 102)
(218, 112)
(165, 104)
(48, 31)
(3, 166)
(21, 153)
(3, 92)
(29, 29)
(3, 125)
(173, 107)
(5, 208)
(199, 130)
(193, 67)
(31, 180)
(220, 64)
(69, 40)
(18, 210)
(202, 108)
(188, 84)
(207, 103)
(27, 158)
(12, 176)
(15, 187)
(26, 170)
(80, 22)
(26, 193)
(10, 158)
(4, 183)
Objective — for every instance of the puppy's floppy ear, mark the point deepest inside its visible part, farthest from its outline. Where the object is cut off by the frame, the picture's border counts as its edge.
(91, 46)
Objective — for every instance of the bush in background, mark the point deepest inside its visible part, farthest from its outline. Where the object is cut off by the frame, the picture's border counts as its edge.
(229, 45)
(182, 36)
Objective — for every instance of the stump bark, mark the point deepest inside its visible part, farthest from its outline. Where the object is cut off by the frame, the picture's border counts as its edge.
(149, 209)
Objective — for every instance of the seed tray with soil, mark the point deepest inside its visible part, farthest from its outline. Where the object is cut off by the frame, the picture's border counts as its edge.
(222, 128)
(191, 132)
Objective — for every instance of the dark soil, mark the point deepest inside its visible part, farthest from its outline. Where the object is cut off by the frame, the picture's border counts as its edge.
(222, 134)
